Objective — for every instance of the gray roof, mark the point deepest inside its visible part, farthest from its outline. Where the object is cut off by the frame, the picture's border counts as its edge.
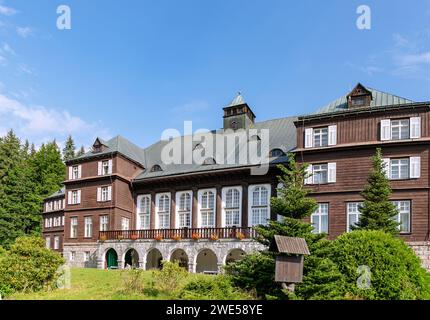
(282, 135)
(237, 101)
(59, 193)
(379, 99)
(291, 245)
(121, 145)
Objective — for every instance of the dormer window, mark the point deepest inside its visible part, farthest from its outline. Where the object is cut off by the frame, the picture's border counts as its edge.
(358, 102)
(156, 168)
(209, 161)
(276, 153)
(359, 97)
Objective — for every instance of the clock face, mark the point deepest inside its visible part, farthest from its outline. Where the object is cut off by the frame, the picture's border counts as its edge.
(233, 124)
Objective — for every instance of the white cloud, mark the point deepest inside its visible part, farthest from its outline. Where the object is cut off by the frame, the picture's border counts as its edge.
(23, 68)
(7, 49)
(413, 59)
(7, 11)
(24, 32)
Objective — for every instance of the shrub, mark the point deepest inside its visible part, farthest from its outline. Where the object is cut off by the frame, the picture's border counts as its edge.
(132, 281)
(170, 277)
(28, 266)
(211, 288)
(396, 272)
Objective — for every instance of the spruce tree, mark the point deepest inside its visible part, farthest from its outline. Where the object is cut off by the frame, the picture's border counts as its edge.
(69, 149)
(80, 152)
(377, 211)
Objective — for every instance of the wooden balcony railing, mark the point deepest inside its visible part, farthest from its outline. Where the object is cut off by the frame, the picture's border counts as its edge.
(178, 234)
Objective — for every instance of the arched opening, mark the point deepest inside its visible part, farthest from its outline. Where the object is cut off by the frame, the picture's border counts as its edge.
(131, 259)
(206, 262)
(234, 255)
(111, 259)
(153, 259)
(181, 257)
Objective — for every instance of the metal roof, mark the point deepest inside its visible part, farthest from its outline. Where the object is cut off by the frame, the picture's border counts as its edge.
(58, 193)
(291, 245)
(237, 101)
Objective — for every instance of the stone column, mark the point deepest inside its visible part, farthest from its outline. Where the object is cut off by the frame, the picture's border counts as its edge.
(220, 267)
(218, 207)
(120, 264)
(100, 263)
(142, 264)
(191, 267)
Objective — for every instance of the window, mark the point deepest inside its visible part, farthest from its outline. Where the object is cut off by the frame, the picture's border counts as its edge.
(319, 218)
(88, 227)
(163, 211)
(358, 102)
(72, 255)
(320, 137)
(50, 206)
(353, 214)
(404, 216)
(74, 227)
(105, 194)
(207, 208)
(50, 222)
(184, 209)
(104, 223)
(87, 256)
(156, 168)
(259, 205)
(400, 129)
(145, 212)
(105, 168)
(56, 242)
(276, 153)
(75, 172)
(320, 173)
(48, 242)
(125, 223)
(399, 168)
(74, 197)
(62, 220)
(46, 223)
(232, 199)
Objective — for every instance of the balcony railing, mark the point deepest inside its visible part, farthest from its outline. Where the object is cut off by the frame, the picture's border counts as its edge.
(178, 234)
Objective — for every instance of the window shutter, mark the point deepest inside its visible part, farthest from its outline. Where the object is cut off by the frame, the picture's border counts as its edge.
(415, 167)
(80, 171)
(309, 132)
(79, 196)
(332, 135)
(386, 162)
(415, 127)
(70, 173)
(99, 194)
(385, 130)
(109, 193)
(309, 179)
(69, 197)
(99, 171)
(331, 172)
(110, 166)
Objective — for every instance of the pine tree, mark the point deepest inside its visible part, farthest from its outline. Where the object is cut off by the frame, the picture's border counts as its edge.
(69, 149)
(80, 152)
(377, 211)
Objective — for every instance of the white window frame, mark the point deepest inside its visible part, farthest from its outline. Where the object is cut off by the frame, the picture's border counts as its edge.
(72, 255)
(319, 213)
(206, 210)
(143, 217)
(104, 222)
(87, 255)
(397, 123)
(352, 209)
(164, 213)
(258, 205)
(88, 227)
(125, 223)
(56, 242)
(398, 218)
(73, 227)
(184, 215)
(314, 174)
(74, 197)
(48, 242)
(318, 137)
(399, 165)
(225, 190)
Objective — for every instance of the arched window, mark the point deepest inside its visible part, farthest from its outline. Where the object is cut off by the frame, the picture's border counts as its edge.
(207, 208)
(232, 206)
(156, 168)
(145, 211)
(184, 209)
(259, 204)
(163, 211)
(209, 161)
(276, 153)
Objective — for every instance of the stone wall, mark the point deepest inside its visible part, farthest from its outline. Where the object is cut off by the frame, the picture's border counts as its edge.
(79, 250)
(422, 250)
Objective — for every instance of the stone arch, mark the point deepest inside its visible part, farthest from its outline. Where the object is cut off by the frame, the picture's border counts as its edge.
(206, 261)
(233, 255)
(180, 256)
(110, 259)
(153, 259)
(131, 258)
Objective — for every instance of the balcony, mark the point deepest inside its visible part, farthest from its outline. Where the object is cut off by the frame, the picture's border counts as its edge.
(179, 234)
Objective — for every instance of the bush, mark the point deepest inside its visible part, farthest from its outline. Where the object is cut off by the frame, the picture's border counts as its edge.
(170, 277)
(395, 271)
(132, 281)
(28, 266)
(211, 288)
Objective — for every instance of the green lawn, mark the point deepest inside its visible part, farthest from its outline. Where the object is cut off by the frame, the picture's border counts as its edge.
(91, 284)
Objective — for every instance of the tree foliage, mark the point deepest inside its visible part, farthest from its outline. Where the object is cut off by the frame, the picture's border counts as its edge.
(69, 149)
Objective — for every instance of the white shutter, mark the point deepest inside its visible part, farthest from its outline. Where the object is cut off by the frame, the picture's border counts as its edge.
(109, 193)
(99, 194)
(79, 196)
(332, 135)
(386, 161)
(415, 167)
(385, 130)
(69, 197)
(64, 203)
(70, 173)
(331, 172)
(309, 179)
(309, 132)
(110, 167)
(99, 171)
(79, 171)
(415, 128)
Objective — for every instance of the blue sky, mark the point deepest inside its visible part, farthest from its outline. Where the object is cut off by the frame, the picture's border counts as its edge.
(136, 68)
